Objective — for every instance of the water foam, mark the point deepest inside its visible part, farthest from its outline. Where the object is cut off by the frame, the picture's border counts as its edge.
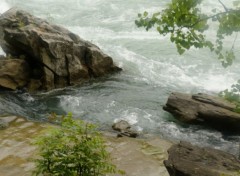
(4, 6)
(152, 69)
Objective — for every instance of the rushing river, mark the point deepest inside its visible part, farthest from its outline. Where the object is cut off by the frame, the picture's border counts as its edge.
(152, 69)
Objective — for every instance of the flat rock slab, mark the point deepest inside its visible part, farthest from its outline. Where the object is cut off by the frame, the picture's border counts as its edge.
(16, 148)
(204, 109)
(188, 160)
(137, 157)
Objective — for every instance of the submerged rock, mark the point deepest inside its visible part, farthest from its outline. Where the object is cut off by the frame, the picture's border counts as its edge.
(188, 160)
(56, 56)
(204, 109)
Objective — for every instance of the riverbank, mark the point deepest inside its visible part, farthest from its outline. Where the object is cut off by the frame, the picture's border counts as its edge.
(134, 156)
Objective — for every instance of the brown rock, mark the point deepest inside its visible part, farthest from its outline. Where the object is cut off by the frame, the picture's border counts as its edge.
(188, 160)
(61, 57)
(14, 73)
(204, 109)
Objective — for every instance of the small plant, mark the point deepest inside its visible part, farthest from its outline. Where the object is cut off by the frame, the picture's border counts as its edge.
(233, 95)
(74, 149)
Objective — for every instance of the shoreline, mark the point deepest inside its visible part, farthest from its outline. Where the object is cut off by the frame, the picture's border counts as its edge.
(136, 156)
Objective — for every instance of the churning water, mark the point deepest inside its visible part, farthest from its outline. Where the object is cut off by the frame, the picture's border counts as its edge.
(152, 69)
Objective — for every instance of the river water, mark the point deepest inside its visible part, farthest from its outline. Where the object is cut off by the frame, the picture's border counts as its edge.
(152, 69)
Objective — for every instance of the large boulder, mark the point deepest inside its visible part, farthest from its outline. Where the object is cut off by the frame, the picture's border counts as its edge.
(57, 57)
(188, 160)
(204, 109)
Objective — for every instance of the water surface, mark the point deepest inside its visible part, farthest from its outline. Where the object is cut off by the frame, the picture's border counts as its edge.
(152, 69)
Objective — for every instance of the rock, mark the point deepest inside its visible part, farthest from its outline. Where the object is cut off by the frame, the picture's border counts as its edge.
(137, 157)
(9, 119)
(57, 57)
(125, 129)
(204, 109)
(14, 73)
(2, 57)
(3, 124)
(122, 125)
(17, 149)
(6, 120)
(188, 160)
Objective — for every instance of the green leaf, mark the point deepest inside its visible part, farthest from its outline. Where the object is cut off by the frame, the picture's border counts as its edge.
(145, 14)
(180, 49)
(74, 146)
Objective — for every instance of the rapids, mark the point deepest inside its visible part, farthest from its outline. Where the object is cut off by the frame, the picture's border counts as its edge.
(151, 70)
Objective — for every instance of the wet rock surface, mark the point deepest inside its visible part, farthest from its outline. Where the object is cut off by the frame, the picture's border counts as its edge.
(56, 56)
(134, 156)
(188, 160)
(124, 129)
(6, 121)
(16, 148)
(204, 109)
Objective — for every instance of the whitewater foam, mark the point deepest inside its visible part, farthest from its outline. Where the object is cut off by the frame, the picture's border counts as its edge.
(4, 6)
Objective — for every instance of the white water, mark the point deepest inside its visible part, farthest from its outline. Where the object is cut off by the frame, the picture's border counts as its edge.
(152, 69)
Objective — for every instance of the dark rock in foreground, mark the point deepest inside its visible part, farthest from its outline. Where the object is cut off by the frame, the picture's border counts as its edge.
(188, 160)
(204, 109)
(56, 56)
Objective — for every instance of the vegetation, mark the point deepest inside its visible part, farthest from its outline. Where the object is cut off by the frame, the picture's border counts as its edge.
(186, 25)
(74, 149)
(232, 95)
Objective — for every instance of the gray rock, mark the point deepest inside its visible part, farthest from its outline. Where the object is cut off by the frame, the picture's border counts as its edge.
(2, 57)
(204, 109)
(3, 124)
(58, 57)
(5, 121)
(188, 160)
(122, 125)
(125, 129)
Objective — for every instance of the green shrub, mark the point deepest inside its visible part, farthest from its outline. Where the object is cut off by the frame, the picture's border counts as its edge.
(74, 149)
(232, 95)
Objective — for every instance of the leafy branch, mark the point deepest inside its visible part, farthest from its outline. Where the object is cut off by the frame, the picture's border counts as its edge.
(186, 24)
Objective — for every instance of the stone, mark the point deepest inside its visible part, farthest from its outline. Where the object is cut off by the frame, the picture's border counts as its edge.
(204, 109)
(185, 159)
(135, 156)
(5, 121)
(2, 57)
(3, 124)
(14, 73)
(57, 57)
(125, 129)
(120, 126)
